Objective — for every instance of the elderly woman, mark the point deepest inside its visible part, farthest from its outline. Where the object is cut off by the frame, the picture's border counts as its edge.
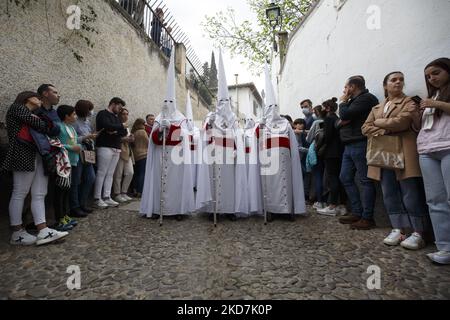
(398, 115)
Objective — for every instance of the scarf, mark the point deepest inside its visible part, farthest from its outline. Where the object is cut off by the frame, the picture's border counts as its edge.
(63, 166)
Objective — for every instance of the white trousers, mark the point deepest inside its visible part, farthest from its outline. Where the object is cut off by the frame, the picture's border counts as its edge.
(107, 159)
(123, 176)
(23, 182)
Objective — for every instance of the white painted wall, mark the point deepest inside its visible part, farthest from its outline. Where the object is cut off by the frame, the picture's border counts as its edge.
(333, 45)
(246, 99)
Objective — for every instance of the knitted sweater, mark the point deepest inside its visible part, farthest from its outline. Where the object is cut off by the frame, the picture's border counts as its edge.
(140, 145)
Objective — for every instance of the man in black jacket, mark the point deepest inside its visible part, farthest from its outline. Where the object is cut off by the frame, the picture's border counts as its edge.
(356, 106)
(108, 145)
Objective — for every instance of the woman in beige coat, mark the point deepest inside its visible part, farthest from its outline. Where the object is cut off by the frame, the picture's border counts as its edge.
(403, 192)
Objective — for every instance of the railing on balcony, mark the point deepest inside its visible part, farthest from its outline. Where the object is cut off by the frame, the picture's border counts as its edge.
(155, 19)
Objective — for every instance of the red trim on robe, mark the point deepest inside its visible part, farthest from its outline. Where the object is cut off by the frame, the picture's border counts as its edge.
(278, 142)
(192, 144)
(224, 142)
(172, 139)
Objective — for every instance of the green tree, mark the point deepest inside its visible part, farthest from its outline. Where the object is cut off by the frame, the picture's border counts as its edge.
(205, 73)
(213, 80)
(253, 41)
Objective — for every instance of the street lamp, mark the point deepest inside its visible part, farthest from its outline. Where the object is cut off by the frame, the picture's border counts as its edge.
(273, 13)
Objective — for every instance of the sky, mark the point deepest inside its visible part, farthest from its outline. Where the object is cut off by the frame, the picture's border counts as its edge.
(202, 45)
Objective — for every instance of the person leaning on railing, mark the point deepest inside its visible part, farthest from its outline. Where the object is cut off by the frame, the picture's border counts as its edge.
(157, 26)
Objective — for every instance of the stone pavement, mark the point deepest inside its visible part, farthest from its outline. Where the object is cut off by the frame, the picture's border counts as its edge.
(124, 256)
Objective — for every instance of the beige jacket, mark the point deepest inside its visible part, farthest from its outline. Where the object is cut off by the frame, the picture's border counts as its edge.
(401, 119)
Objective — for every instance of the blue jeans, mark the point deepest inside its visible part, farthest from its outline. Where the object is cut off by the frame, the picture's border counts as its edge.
(139, 174)
(317, 172)
(354, 162)
(404, 201)
(83, 179)
(436, 177)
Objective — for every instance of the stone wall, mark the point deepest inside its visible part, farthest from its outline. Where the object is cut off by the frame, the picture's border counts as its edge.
(124, 62)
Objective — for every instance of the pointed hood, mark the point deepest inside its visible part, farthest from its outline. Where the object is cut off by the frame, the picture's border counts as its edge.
(271, 109)
(169, 110)
(189, 113)
(249, 122)
(225, 116)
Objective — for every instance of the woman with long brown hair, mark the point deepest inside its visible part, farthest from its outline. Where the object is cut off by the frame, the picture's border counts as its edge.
(140, 149)
(402, 189)
(83, 175)
(433, 145)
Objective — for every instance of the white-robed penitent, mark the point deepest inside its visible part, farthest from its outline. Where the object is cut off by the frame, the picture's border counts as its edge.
(281, 174)
(253, 169)
(223, 159)
(194, 137)
(172, 170)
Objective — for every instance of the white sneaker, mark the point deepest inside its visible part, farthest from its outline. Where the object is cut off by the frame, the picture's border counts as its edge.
(414, 242)
(111, 202)
(120, 199)
(100, 204)
(394, 238)
(328, 211)
(126, 197)
(318, 205)
(441, 257)
(22, 238)
(342, 210)
(48, 235)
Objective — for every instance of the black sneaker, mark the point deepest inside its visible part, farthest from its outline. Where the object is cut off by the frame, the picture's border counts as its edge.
(87, 210)
(78, 213)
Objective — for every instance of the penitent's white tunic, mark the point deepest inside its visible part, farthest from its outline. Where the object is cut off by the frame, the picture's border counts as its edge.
(283, 182)
(228, 169)
(175, 169)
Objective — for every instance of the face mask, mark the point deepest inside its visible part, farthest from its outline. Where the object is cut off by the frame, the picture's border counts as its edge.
(91, 113)
(306, 112)
(315, 117)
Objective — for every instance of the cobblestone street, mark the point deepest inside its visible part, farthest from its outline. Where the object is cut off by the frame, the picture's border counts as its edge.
(123, 256)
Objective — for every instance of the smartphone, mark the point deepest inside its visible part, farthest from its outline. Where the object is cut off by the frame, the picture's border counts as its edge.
(417, 99)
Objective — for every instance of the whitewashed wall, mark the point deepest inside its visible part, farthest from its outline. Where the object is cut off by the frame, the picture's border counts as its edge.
(246, 99)
(333, 45)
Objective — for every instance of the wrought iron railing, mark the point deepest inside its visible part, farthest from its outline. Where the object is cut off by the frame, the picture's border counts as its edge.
(158, 23)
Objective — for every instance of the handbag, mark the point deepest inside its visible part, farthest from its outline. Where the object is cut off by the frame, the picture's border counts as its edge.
(385, 152)
(88, 155)
(24, 135)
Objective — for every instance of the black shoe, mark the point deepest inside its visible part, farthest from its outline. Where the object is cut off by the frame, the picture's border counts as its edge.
(179, 217)
(269, 217)
(232, 217)
(155, 217)
(78, 213)
(86, 209)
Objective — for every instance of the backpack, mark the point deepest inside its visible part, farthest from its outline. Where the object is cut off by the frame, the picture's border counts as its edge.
(319, 141)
